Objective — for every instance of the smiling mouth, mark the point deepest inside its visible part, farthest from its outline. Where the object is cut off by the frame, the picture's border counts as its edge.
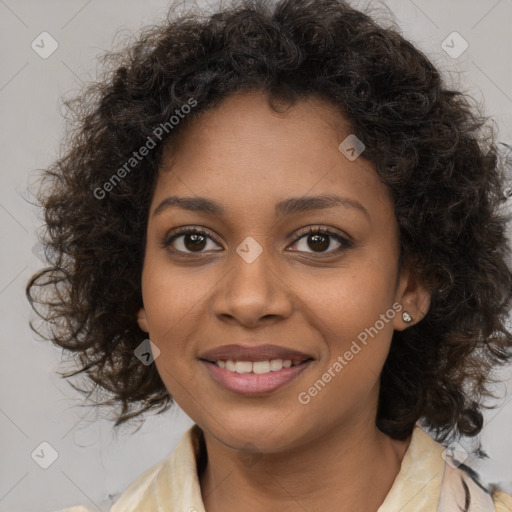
(255, 378)
(257, 367)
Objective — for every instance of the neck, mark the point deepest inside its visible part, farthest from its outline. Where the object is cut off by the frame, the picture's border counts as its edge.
(332, 472)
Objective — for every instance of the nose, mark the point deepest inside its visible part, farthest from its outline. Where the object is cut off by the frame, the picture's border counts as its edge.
(252, 293)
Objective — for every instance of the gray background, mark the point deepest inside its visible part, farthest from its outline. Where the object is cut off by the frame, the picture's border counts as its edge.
(94, 466)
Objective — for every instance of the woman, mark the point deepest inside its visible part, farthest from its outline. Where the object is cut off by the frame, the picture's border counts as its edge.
(282, 219)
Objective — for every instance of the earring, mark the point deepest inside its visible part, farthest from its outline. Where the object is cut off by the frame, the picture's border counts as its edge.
(406, 317)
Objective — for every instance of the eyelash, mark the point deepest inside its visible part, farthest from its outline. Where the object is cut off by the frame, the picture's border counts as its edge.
(174, 234)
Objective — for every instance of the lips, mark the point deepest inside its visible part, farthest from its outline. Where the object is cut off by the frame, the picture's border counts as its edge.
(253, 384)
(258, 353)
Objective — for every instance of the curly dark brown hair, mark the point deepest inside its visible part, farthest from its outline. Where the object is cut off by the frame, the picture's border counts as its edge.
(432, 147)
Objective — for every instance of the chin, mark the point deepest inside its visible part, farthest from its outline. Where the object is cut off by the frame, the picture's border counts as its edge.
(264, 435)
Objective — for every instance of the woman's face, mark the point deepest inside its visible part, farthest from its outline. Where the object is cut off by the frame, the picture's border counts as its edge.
(256, 276)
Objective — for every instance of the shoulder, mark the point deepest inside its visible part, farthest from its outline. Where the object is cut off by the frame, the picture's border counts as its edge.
(465, 483)
(502, 501)
(75, 509)
(458, 486)
(172, 481)
(132, 496)
(140, 491)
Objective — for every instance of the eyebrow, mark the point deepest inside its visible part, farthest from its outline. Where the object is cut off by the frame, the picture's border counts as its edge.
(286, 207)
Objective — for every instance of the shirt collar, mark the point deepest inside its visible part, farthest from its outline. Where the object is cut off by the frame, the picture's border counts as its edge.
(174, 481)
(418, 484)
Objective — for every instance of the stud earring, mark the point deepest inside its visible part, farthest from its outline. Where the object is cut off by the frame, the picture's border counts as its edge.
(406, 317)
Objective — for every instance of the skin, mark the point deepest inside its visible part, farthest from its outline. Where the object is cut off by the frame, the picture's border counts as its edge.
(324, 455)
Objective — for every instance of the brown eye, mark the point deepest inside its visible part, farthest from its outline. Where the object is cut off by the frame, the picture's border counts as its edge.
(189, 240)
(193, 241)
(319, 240)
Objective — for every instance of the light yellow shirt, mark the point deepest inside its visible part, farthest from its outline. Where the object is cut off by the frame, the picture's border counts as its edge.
(425, 483)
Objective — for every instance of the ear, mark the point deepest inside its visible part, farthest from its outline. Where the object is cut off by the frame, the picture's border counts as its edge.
(142, 320)
(413, 296)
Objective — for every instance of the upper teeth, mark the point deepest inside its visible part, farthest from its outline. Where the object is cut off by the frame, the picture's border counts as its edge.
(271, 365)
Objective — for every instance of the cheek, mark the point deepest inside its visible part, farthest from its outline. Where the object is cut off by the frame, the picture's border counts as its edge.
(169, 295)
(352, 308)
(350, 298)
(172, 304)
(173, 308)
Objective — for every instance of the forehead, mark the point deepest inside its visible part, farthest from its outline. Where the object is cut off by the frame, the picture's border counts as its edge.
(243, 152)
